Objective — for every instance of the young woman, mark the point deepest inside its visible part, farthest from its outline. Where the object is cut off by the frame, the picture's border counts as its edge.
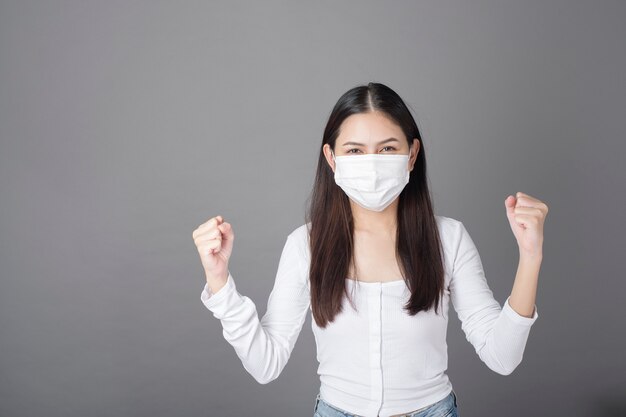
(377, 269)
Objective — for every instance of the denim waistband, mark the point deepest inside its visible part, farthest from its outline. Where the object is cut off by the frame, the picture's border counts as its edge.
(450, 398)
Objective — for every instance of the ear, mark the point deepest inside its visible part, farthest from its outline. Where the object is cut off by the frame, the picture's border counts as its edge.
(413, 151)
(329, 157)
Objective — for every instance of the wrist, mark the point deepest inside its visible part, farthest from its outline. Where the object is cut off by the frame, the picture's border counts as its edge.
(216, 282)
(216, 286)
(534, 256)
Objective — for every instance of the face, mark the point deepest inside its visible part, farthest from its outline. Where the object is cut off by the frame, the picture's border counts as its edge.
(371, 133)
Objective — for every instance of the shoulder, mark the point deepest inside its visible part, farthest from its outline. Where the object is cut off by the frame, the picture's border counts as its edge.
(300, 233)
(449, 228)
(300, 238)
(452, 233)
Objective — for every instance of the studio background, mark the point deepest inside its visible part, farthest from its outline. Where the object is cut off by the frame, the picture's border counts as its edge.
(125, 125)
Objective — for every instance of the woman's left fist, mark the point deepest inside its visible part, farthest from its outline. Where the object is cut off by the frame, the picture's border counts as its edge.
(526, 215)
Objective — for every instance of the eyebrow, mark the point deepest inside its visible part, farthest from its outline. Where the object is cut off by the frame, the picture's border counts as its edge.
(379, 143)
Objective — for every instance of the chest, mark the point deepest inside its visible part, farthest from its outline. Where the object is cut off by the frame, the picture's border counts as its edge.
(375, 259)
(378, 325)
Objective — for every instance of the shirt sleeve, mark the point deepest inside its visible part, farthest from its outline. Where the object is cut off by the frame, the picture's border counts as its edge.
(264, 346)
(498, 334)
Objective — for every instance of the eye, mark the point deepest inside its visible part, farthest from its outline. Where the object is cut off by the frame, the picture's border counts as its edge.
(391, 148)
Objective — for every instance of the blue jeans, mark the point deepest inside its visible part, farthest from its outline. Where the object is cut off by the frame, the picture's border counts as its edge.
(442, 408)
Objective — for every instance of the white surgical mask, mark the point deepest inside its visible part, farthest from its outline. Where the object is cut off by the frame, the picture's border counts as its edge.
(373, 181)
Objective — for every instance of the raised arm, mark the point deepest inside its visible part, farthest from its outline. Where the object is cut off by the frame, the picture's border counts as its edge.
(264, 346)
(498, 334)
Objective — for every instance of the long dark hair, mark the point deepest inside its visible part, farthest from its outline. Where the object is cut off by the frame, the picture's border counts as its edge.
(330, 224)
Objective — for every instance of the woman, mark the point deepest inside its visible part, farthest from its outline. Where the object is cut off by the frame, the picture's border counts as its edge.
(377, 269)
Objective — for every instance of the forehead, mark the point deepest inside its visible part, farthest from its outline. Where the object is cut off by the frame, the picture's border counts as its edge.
(368, 128)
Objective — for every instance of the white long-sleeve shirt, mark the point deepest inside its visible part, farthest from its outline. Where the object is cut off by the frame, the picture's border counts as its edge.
(378, 360)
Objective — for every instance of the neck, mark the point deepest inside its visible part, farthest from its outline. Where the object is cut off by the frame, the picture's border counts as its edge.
(375, 222)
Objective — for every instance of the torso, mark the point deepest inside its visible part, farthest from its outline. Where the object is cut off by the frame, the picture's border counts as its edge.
(375, 258)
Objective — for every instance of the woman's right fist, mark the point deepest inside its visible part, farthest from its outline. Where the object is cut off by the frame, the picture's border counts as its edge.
(214, 240)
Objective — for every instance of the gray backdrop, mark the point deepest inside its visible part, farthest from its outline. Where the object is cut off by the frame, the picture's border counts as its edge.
(124, 125)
